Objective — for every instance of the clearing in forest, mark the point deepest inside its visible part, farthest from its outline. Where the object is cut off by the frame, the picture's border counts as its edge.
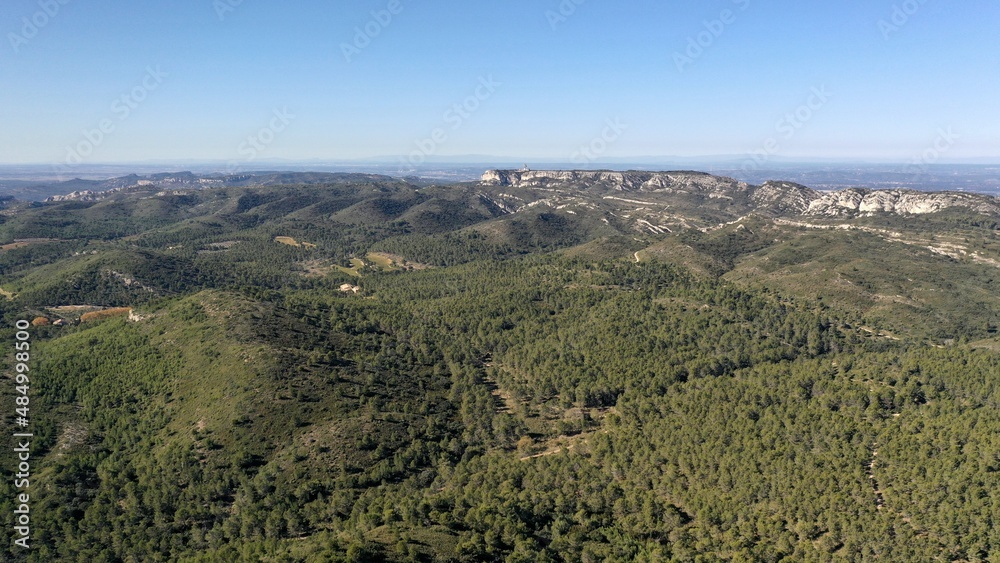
(355, 269)
(559, 444)
(71, 311)
(21, 243)
(320, 268)
(292, 242)
(104, 314)
(394, 262)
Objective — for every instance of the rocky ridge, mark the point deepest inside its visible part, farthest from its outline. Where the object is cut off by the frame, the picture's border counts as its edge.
(863, 202)
(774, 198)
(680, 182)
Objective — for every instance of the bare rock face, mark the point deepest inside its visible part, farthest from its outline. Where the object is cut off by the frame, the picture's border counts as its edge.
(535, 178)
(679, 182)
(83, 195)
(496, 178)
(772, 198)
(695, 183)
(852, 202)
(784, 198)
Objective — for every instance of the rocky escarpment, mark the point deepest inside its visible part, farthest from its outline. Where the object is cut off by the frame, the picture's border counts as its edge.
(855, 202)
(773, 198)
(784, 198)
(678, 182)
(82, 195)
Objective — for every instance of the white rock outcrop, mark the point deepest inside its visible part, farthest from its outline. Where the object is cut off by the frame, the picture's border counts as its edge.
(679, 182)
(773, 198)
(856, 201)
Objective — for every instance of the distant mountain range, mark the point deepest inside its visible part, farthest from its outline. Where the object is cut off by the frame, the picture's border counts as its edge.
(35, 183)
(657, 202)
(90, 190)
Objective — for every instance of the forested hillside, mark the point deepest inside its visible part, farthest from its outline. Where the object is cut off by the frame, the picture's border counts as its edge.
(368, 370)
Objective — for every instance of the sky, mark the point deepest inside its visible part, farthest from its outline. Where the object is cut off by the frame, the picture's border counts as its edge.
(239, 81)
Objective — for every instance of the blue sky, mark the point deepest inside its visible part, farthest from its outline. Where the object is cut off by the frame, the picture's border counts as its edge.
(225, 80)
